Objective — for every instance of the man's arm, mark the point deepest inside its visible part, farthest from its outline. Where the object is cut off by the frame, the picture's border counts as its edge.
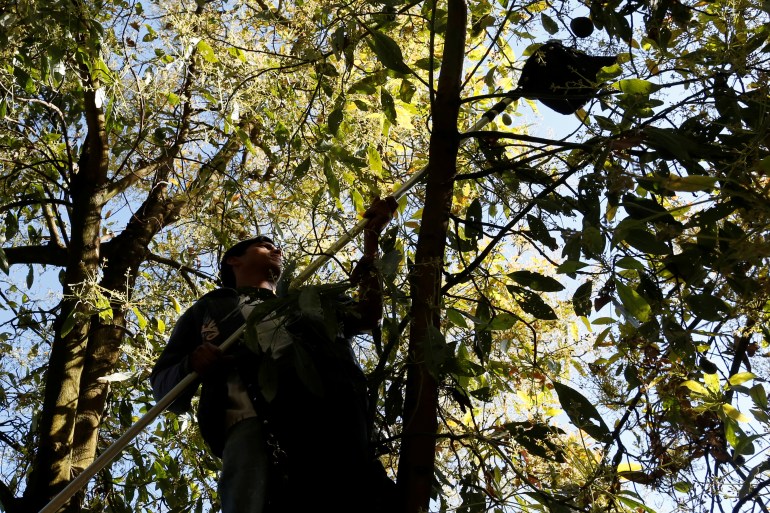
(365, 275)
(173, 365)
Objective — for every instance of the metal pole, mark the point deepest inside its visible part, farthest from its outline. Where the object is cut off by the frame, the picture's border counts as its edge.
(115, 449)
(416, 177)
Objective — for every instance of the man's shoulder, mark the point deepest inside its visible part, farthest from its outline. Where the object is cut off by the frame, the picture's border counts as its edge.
(219, 294)
(214, 299)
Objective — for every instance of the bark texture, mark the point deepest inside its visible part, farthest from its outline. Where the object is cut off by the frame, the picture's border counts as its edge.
(417, 458)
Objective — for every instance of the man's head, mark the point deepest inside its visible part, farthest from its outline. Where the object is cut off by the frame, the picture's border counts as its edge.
(250, 262)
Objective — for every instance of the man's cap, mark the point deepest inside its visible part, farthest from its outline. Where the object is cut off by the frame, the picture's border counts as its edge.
(225, 270)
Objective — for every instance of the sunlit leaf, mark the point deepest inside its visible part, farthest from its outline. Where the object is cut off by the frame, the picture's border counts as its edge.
(732, 412)
(741, 377)
(696, 387)
(637, 86)
(633, 302)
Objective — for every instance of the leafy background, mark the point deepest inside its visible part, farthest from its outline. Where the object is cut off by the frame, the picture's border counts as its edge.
(599, 334)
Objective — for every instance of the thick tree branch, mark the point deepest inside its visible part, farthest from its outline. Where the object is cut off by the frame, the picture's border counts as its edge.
(49, 254)
(7, 499)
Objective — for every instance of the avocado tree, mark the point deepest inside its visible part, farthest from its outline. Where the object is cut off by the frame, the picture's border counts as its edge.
(576, 303)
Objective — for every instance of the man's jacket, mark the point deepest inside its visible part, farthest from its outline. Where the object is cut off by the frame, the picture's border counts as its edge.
(213, 318)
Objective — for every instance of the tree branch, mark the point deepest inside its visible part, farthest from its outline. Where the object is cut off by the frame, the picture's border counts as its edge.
(465, 274)
(43, 255)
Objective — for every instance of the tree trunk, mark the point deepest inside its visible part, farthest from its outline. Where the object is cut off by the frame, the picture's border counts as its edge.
(51, 469)
(416, 464)
(124, 254)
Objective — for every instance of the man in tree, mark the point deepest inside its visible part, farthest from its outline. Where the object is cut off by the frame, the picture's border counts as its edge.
(288, 414)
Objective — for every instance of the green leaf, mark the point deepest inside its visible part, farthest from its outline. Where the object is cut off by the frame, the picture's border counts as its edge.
(646, 242)
(570, 266)
(302, 169)
(549, 25)
(473, 228)
(140, 319)
(482, 337)
(636, 86)
(375, 161)
(536, 281)
(581, 300)
(645, 209)
(335, 120)
(535, 438)
(206, 51)
(539, 232)
(68, 324)
(503, 321)
(388, 52)
(692, 183)
(633, 302)
(628, 262)
(592, 241)
(741, 377)
(696, 387)
(532, 303)
(425, 63)
(732, 412)
(331, 179)
(635, 505)
(388, 106)
(708, 307)
(406, 91)
(456, 317)
(582, 412)
(759, 395)
(631, 373)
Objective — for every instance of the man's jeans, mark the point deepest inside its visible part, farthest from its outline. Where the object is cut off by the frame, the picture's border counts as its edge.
(243, 483)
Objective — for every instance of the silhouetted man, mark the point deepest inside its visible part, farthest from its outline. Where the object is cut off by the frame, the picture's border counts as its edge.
(287, 416)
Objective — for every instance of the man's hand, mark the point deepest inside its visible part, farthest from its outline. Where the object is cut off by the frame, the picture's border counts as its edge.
(380, 213)
(206, 358)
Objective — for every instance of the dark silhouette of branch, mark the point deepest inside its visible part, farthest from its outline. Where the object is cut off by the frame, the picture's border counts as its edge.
(26, 202)
(751, 495)
(465, 274)
(176, 265)
(48, 254)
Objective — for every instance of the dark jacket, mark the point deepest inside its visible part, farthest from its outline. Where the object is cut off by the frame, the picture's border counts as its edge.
(312, 363)
(213, 318)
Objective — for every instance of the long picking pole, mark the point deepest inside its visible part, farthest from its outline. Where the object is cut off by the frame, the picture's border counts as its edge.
(117, 447)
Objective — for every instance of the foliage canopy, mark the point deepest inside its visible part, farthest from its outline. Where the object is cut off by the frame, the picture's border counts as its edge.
(577, 306)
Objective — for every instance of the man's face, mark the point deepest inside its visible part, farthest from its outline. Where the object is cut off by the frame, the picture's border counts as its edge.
(261, 257)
